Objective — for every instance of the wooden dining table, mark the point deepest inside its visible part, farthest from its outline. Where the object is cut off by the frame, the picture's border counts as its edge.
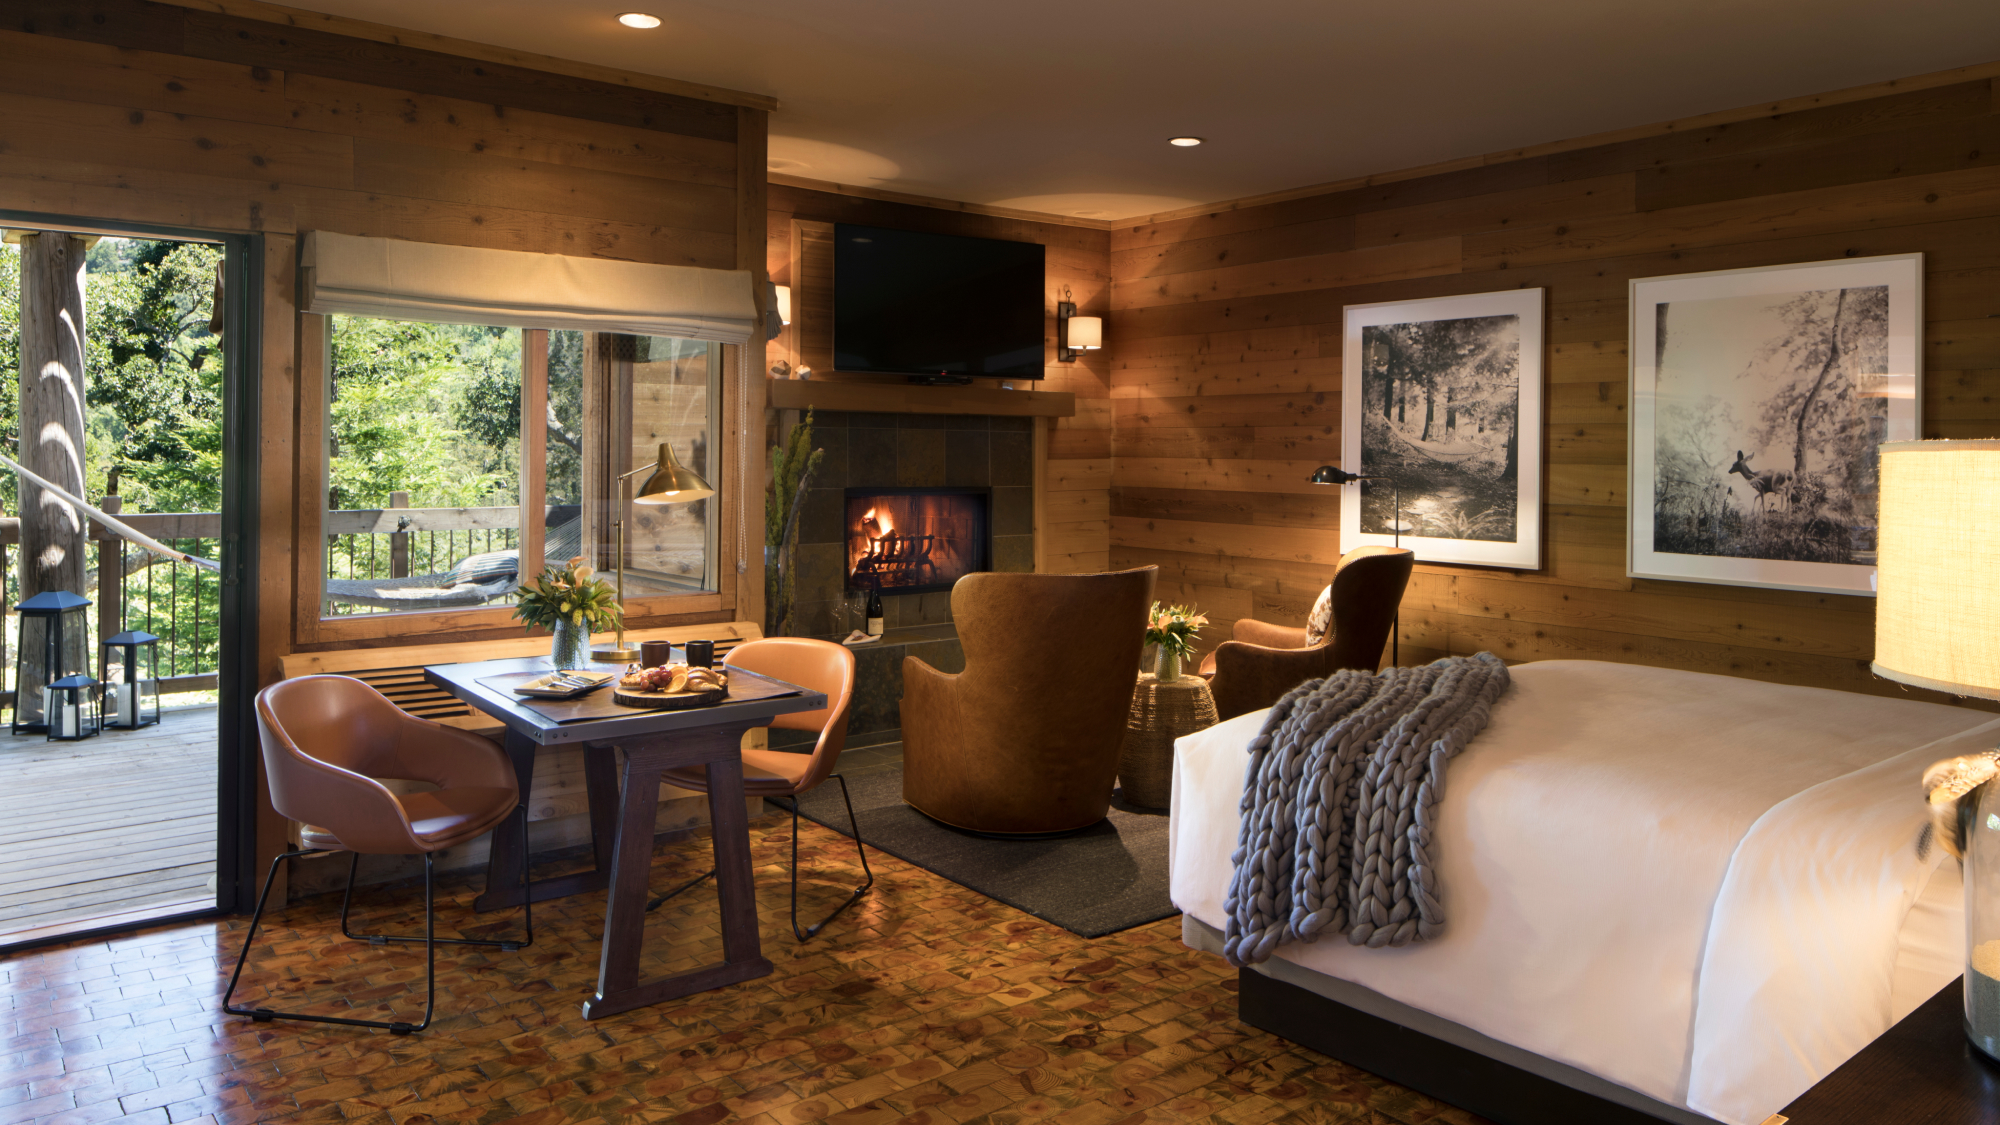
(624, 802)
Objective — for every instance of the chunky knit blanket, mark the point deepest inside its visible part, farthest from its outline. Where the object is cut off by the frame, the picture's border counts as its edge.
(1338, 804)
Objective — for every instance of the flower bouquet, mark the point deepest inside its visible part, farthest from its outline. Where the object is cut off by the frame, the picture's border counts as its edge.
(571, 602)
(1174, 629)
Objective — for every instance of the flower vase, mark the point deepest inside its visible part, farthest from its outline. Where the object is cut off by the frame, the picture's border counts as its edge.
(570, 648)
(1167, 668)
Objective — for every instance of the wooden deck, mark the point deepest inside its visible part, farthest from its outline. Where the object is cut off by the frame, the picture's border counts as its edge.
(120, 827)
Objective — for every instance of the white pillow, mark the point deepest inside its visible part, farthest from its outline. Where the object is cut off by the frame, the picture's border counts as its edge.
(1319, 623)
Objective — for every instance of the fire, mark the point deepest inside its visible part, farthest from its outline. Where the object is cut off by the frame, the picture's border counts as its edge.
(877, 525)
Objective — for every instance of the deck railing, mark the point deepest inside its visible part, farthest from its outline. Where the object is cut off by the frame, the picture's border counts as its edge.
(181, 605)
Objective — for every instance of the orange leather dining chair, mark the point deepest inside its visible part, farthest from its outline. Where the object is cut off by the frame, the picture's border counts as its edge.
(328, 742)
(824, 667)
(1265, 661)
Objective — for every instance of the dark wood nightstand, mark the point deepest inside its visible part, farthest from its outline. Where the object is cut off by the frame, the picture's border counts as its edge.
(1920, 1072)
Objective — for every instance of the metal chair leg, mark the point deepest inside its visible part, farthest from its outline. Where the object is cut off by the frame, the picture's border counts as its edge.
(797, 931)
(394, 1027)
(654, 904)
(804, 935)
(527, 911)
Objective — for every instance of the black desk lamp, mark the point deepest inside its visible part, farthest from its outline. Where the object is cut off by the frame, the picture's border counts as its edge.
(1331, 474)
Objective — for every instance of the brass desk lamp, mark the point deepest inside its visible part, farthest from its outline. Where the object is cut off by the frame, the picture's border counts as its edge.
(670, 483)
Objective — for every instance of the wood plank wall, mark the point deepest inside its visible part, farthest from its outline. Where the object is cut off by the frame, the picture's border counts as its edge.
(1076, 498)
(1225, 336)
(154, 113)
(138, 112)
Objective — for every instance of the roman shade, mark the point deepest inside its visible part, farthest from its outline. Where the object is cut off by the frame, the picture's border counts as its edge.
(398, 280)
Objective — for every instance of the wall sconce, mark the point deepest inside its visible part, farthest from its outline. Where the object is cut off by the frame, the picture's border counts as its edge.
(1075, 334)
(784, 304)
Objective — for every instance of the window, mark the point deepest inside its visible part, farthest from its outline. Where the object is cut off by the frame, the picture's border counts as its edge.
(425, 468)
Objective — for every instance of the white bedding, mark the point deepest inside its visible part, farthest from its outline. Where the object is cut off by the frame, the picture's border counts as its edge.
(1694, 886)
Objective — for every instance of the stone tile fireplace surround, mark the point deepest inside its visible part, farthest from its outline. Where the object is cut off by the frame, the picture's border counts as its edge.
(867, 450)
(905, 451)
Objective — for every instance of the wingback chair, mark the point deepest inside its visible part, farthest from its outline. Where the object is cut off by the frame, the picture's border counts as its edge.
(1265, 661)
(1024, 742)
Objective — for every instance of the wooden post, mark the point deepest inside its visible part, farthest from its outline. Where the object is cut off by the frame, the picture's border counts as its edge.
(110, 570)
(399, 541)
(52, 387)
(534, 452)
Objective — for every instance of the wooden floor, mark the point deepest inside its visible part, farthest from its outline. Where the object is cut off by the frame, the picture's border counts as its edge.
(117, 827)
(927, 1004)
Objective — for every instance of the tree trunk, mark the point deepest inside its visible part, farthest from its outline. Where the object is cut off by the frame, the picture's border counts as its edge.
(52, 390)
(1430, 409)
(1832, 357)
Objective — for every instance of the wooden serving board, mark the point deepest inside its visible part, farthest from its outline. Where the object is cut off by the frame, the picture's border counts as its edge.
(661, 701)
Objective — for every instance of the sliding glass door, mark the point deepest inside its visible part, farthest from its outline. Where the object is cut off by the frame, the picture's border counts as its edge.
(123, 358)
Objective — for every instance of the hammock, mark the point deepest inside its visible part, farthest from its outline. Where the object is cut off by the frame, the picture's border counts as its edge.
(443, 591)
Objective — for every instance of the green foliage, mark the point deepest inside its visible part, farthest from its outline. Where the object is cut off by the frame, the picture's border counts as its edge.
(570, 592)
(793, 462)
(1175, 628)
(429, 409)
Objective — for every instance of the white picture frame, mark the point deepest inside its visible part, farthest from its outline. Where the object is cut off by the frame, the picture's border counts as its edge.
(1758, 399)
(1471, 368)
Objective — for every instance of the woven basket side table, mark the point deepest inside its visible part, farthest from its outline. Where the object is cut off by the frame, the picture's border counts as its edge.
(1160, 714)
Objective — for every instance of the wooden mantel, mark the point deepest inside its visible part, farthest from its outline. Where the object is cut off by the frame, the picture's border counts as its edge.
(911, 398)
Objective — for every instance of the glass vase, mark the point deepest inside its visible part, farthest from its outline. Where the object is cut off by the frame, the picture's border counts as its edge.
(1982, 921)
(569, 649)
(1167, 668)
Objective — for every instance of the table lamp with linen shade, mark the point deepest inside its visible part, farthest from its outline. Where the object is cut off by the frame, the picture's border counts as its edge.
(670, 482)
(1937, 626)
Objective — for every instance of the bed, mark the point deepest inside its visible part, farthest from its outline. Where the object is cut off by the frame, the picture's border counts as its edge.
(1689, 895)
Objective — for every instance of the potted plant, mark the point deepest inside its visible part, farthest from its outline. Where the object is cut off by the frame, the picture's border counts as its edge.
(1174, 630)
(571, 602)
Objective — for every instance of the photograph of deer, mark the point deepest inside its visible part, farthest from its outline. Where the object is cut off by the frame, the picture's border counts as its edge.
(1759, 398)
(1442, 400)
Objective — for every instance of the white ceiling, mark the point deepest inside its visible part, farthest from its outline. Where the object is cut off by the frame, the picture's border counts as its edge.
(1066, 105)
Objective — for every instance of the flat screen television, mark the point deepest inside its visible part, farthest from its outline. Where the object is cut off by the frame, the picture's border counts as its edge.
(909, 303)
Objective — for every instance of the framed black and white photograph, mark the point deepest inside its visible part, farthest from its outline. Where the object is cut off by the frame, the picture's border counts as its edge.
(1759, 397)
(1441, 400)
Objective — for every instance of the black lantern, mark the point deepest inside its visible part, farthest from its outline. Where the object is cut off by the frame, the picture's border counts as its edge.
(55, 642)
(128, 666)
(75, 709)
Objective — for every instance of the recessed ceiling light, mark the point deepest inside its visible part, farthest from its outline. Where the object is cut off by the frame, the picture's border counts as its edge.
(642, 20)
(1184, 142)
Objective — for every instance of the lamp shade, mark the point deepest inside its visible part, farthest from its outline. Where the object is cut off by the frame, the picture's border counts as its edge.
(1937, 606)
(672, 482)
(1086, 333)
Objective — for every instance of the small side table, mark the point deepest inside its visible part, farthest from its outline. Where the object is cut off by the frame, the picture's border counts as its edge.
(1160, 714)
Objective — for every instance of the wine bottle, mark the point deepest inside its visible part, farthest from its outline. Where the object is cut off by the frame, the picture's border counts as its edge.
(875, 611)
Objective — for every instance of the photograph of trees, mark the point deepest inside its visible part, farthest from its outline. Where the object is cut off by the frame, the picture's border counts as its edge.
(1441, 418)
(1769, 411)
(1434, 400)
(1759, 397)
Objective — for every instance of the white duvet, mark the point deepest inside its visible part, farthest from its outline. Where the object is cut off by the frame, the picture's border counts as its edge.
(1690, 885)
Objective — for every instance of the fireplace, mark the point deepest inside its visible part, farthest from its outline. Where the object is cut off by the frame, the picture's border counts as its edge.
(916, 540)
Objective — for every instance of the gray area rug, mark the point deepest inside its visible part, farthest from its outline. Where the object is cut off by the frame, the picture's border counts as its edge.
(1109, 877)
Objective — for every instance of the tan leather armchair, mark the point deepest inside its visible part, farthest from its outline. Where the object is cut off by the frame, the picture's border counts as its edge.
(1265, 661)
(328, 743)
(1024, 742)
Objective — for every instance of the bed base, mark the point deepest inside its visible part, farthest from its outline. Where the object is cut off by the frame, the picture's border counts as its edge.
(1446, 1071)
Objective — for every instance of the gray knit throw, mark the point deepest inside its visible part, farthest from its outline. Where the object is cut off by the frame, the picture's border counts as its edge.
(1337, 806)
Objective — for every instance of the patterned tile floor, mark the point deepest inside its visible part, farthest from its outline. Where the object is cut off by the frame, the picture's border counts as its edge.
(925, 1004)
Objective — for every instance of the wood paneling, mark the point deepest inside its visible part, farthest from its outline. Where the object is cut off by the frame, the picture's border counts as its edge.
(1226, 342)
(128, 111)
(1073, 530)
